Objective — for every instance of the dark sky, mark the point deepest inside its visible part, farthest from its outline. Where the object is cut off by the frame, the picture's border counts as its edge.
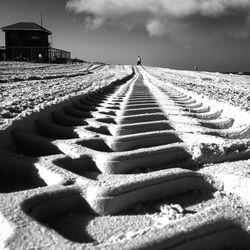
(212, 34)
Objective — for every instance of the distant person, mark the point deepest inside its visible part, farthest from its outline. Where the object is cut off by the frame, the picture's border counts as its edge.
(138, 60)
(40, 57)
(195, 68)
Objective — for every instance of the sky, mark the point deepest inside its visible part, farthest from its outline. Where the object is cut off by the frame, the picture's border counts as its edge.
(211, 34)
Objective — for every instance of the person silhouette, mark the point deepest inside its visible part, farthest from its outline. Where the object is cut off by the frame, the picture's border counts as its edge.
(138, 60)
(40, 57)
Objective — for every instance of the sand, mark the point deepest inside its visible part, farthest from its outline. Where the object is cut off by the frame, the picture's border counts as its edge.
(115, 157)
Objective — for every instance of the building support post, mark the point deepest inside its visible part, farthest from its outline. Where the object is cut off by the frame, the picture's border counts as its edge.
(31, 55)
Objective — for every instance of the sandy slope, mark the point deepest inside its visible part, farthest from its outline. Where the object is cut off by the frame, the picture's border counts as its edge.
(228, 88)
(20, 94)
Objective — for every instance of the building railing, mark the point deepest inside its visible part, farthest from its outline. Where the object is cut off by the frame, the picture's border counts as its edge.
(36, 54)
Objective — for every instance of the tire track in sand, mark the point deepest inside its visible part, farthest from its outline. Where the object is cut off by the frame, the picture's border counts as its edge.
(122, 168)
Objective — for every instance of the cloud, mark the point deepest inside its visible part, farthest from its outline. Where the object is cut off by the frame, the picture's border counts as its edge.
(156, 28)
(166, 26)
(177, 8)
(248, 20)
(154, 15)
(237, 35)
(93, 23)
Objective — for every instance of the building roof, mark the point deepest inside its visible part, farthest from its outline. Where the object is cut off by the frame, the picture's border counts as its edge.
(26, 26)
